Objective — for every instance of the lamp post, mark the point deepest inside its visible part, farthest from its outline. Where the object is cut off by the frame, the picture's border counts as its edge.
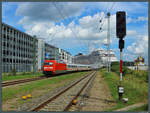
(108, 41)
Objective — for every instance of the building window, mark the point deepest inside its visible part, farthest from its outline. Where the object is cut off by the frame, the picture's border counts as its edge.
(4, 29)
(7, 37)
(4, 59)
(7, 44)
(10, 53)
(7, 52)
(4, 36)
(14, 47)
(11, 31)
(7, 30)
(7, 60)
(14, 39)
(4, 52)
(4, 44)
(11, 60)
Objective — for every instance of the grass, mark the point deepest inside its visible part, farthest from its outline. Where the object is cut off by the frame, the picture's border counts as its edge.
(143, 108)
(135, 87)
(20, 90)
(19, 76)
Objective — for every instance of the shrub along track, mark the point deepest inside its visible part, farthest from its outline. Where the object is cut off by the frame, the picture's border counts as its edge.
(62, 100)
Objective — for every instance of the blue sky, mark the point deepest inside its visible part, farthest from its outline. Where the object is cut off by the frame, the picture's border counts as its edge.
(75, 26)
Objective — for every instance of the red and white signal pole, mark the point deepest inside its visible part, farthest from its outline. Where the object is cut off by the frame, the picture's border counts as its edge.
(121, 32)
(120, 67)
(120, 88)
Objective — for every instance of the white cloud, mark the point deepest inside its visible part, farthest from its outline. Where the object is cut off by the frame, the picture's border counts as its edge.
(40, 20)
(89, 21)
(138, 19)
(129, 7)
(87, 30)
(142, 18)
(131, 32)
(140, 46)
(49, 12)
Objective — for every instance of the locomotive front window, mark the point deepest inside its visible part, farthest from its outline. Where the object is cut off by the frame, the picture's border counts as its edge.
(48, 63)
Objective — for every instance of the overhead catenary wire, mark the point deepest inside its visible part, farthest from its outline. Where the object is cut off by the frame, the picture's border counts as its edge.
(71, 29)
(100, 20)
(63, 16)
(104, 17)
(108, 10)
(113, 4)
(59, 11)
(79, 39)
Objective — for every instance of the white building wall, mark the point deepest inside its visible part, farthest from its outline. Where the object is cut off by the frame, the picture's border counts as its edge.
(41, 53)
(65, 56)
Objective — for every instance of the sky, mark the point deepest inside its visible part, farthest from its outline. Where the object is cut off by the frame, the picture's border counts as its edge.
(75, 26)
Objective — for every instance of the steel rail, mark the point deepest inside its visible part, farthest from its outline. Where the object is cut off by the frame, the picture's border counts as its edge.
(77, 95)
(59, 93)
(4, 84)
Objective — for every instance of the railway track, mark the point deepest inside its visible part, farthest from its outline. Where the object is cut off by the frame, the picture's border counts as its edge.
(82, 98)
(62, 100)
(4, 84)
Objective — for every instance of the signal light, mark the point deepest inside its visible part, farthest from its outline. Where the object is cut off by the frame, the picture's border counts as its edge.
(121, 44)
(120, 24)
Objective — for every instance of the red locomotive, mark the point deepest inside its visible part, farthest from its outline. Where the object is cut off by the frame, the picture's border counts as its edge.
(52, 67)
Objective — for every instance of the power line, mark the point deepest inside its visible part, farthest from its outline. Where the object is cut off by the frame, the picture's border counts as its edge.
(113, 4)
(64, 19)
(100, 20)
(108, 10)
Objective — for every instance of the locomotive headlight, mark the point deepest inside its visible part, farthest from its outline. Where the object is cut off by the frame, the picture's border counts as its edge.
(51, 63)
(45, 67)
(51, 67)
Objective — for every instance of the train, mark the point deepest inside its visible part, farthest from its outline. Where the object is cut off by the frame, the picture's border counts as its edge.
(53, 67)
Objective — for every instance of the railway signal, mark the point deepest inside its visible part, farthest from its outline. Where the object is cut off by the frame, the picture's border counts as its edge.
(121, 24)
(121, 32)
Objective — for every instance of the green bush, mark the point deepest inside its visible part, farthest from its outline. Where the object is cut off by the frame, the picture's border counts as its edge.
(24, 73)
(14, 71)
(116, 68)
(143, 75)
